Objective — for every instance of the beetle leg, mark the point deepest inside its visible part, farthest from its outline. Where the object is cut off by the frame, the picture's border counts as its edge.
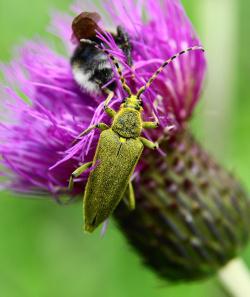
(109, 98)
(101, 126)
(148, 143)
(77, 173)
(111, 112)
(150, 125)
(131, 197)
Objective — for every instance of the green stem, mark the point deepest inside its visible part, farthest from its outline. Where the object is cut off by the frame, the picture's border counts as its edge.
(235, 278)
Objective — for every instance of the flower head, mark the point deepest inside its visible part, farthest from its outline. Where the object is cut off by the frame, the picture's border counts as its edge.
(192, 216)
(44, 109)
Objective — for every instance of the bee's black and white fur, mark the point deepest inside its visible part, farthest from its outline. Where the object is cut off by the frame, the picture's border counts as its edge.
(91, 67)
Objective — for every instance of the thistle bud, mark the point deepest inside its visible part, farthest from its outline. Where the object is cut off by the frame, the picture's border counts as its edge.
(192, 215)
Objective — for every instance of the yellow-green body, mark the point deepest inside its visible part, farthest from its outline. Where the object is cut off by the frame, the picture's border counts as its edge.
(115, 160)
(118, 151)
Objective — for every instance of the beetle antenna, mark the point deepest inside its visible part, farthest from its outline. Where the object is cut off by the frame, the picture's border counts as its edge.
(125, 87)
(164, 64)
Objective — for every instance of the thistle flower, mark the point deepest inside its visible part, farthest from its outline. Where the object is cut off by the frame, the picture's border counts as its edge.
(44, 110)
(58, 110)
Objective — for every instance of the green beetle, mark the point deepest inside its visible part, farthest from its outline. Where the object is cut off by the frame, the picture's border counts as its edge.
(118, 151)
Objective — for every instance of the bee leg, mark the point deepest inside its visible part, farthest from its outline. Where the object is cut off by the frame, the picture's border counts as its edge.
(148, 143)
(150, 125)
(77, 173)
(101, 126)
(111, 112)
(88, 41)
(123, 41)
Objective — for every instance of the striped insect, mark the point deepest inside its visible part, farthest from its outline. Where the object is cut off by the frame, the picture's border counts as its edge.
(118, 151)
(91, 67)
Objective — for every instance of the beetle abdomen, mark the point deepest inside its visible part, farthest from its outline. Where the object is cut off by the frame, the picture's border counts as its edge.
(115, 160)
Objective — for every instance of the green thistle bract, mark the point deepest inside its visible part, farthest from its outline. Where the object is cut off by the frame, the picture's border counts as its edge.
(192, 216)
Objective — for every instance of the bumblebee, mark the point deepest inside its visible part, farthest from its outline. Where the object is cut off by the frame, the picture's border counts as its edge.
(91, 67)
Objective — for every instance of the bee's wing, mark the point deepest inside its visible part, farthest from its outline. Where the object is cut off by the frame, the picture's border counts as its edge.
(84, 26)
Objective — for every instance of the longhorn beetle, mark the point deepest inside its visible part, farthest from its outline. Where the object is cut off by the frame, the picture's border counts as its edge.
(118, 151)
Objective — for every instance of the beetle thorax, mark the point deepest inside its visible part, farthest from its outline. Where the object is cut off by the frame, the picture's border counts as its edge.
(128, 123)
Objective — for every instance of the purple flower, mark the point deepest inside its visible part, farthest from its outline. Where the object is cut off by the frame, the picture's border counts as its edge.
(43, 109)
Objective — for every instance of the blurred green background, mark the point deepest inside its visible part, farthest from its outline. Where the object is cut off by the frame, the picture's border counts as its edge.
(43, 252)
